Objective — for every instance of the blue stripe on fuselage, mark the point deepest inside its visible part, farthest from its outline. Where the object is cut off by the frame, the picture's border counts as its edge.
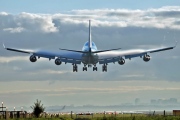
(86, 47)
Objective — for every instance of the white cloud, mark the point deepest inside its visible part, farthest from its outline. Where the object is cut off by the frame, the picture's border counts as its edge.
(81, 90)
(10, 59)
(165, 17)
(51, 72)
(133, 75)
(3, 13)
(17, 58)
(158, 18)
(56, 72)
(16, 68)
(27, 21)
(35, 22)
(14, 30)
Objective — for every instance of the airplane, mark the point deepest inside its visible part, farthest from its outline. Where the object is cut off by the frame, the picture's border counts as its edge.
(90, 55)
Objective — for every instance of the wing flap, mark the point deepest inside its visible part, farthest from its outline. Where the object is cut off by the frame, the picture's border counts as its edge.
(109, 60)
(73, 61)
(134, 55)
(67, 57)
(45, 55)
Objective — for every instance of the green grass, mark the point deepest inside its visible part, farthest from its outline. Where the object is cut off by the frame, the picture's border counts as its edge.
(106, 117)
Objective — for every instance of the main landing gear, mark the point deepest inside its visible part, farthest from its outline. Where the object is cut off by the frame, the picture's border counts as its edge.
(84, 68)
(94, 68)
(104, 68)
(75, 68)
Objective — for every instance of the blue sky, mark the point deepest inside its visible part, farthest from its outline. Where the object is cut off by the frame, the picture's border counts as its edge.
(48, 6)
(54, 24)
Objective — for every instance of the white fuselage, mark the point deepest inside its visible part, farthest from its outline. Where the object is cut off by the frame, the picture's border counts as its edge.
(89, 57)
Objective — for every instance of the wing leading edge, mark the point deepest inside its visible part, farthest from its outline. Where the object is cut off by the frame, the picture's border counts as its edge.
(115, 56)
(18, 50)
(67, 57)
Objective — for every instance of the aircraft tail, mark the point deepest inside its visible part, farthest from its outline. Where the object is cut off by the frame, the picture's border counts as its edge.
(90, 41)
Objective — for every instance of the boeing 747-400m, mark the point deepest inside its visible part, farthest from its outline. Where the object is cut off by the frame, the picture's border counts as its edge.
(90, 55)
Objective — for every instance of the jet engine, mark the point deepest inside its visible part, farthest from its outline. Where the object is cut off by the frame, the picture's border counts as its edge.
(33, 58)
(146, 58)
(121, 61)
(58, 61)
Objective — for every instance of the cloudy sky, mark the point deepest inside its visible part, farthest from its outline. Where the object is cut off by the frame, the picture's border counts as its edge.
(64, 24)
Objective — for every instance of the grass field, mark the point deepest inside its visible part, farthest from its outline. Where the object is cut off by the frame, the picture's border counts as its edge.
(106, 117)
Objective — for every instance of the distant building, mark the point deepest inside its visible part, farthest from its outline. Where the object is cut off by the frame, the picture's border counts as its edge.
(137, 101)
(176, 112)
(171, 101)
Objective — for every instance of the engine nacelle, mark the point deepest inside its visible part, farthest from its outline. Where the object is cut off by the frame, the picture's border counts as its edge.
(33, 58)
(58, 61)
(121, 61)
(146, 58)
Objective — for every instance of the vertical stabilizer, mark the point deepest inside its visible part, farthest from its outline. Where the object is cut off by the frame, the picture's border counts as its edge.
(90, 41)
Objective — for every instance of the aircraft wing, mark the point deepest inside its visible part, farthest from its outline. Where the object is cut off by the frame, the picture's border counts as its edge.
(65, 56)
(19, 50)
(115, 56)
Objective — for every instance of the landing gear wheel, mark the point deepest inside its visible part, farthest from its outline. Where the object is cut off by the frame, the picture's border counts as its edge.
(104, 68)
(94, 68)
(84, 68)
(75, 68)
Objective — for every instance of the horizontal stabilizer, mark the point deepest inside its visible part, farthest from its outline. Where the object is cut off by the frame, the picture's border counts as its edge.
(73, 50)
(106, 50)
(176, 44)
(88, 51)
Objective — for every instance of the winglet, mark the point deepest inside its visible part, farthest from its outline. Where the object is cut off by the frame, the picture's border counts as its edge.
(4, 46)
(176, 44)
